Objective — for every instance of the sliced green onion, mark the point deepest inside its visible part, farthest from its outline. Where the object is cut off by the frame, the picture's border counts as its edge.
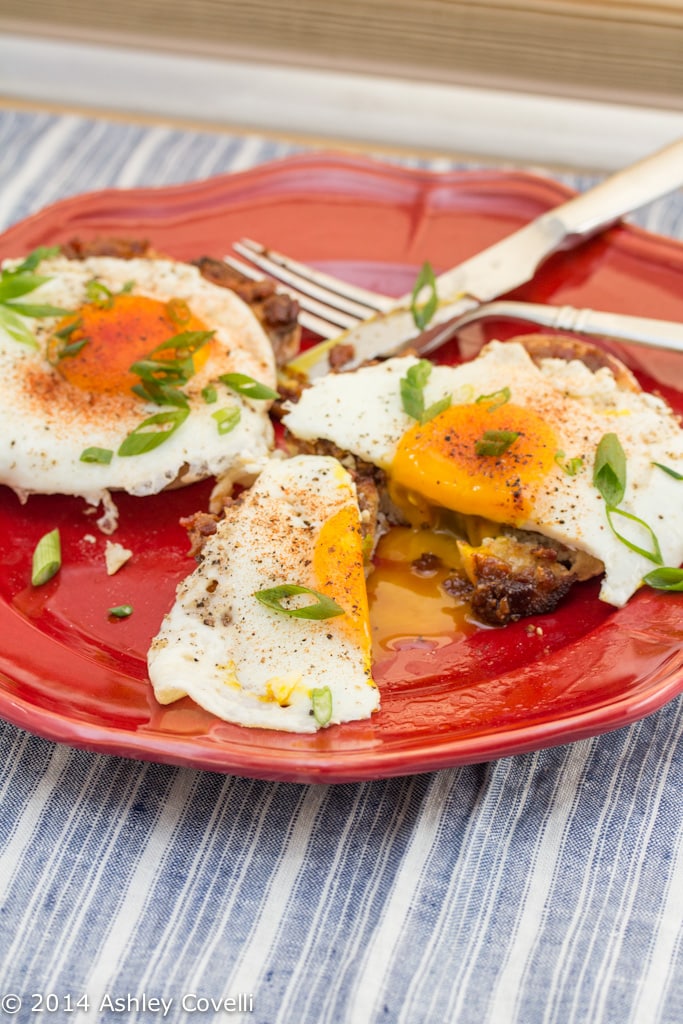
(17, 282)
(247, 386)
(170, 371)
(101, 455)
(153, 431)
(37, 311)
(609, 471)
(121, 611)
(321, 700)
(227, 419)
(423, 313)
(14, 284)
(495, 442)
(435, 408)
(47, 558)
(73, 348)
(99, 295)
(16, 328)
(572, 466)
(412, 388)
(65, 332)
(209, 394)
(669, 470)
(42, 252)
(185, 344)
(322, 608)
(496, 398)
(161, 394)
(665, 579)
(178, 311)
(412, 393)
(655, 554)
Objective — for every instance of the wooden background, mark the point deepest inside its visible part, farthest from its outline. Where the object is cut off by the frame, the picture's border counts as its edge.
(622, 50)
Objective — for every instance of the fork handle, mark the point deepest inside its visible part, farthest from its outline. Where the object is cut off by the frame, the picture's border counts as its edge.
(664, 334)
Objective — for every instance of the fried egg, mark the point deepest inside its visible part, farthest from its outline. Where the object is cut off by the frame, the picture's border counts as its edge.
(260, 664)
(69, 355)
(515, 449)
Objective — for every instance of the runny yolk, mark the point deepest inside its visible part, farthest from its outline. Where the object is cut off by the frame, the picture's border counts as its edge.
(438, 463)
(116, 334)
(339, 574)
(409, 606)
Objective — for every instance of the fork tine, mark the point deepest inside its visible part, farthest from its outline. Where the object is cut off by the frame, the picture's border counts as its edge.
(357, 302)
(315, 316)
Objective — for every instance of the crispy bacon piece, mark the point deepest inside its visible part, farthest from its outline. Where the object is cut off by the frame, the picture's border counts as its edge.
(339, 355)
(277, 311)
(199, 526)
(121, 248)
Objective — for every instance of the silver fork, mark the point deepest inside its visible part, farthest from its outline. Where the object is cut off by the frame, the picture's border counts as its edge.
(330, 306)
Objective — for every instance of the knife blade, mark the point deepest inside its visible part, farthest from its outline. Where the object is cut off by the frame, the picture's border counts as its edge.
(506, 264)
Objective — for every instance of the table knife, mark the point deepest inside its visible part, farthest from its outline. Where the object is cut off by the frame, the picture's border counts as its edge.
(507, 264)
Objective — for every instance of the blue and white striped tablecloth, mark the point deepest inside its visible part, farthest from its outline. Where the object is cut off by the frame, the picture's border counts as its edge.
(539, 889)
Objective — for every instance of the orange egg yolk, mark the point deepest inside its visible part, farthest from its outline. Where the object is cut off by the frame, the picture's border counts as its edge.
(409, 605)
(339, 574)
(95, 347)
(442, 463)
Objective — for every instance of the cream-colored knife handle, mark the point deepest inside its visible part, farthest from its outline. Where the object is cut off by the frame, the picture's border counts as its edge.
(627, 190)
(516, 258)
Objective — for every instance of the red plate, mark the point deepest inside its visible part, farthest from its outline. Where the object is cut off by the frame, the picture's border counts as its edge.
(70, 673)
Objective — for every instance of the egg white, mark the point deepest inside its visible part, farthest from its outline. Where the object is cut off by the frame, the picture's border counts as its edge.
(361, 412)
(46, 421)
(245, 662)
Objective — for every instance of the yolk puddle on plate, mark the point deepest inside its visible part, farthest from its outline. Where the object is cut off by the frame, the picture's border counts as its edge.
(405, 591)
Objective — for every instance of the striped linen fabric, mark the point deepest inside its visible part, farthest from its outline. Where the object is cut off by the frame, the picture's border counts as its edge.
(545, 888)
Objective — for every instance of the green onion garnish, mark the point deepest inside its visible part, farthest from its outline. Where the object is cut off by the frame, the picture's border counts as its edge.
(121, 611)
(423, 313)
(72, 348)
(42, 252)
(669, 471)
(247, 386)
(178, 311)
(161, 394)
(321, 700)
(101, 455)
(655, 554)
(67, 331)
(609, 476)
(99, 295)
(495, 442)
(322, 608)
(161, 379)
(412, 393)
(665, 579)
(17, 282)
(496, 398)
(168, 371)
(209, 394)
(153, 431)
(47, 558)
(185, 344)
(15, 327)
(609, 471)
(572, 466)
(227, 419)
